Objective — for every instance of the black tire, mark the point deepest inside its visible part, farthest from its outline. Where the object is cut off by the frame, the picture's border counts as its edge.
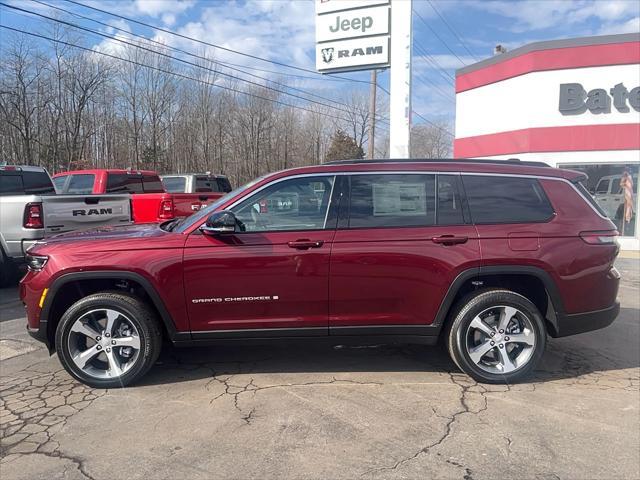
(137, 312)
(474, 305)
(7, 270)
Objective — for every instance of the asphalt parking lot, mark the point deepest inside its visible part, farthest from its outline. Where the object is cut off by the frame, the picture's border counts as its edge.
(321, 412)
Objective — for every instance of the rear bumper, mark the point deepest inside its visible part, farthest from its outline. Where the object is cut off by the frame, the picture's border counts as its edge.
(587, 321)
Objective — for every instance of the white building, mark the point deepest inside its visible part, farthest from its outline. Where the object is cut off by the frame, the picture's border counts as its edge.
(570, 103)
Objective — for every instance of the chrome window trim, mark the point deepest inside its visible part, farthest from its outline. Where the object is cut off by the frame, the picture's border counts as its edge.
(420, 172)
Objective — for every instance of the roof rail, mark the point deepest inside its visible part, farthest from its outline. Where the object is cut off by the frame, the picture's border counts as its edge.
(510, 161)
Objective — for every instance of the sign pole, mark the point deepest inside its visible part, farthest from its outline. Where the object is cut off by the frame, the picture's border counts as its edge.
(372, 112)
(400, 81)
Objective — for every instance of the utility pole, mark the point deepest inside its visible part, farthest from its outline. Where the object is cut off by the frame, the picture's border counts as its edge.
(400, 79)
(372, 112)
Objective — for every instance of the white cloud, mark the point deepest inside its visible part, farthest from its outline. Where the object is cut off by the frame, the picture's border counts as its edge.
(157, 8)
(541, 14)
(630, 26)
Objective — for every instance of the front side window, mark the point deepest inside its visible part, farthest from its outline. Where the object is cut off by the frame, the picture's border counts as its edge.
(603, 187)
(295, 204)
(58, 182)
(388, 200)
(80, 184)
(496, 199)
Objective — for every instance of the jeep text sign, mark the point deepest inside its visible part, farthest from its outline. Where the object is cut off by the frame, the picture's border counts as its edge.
(352, 35)
(352, 24)
(353, 54)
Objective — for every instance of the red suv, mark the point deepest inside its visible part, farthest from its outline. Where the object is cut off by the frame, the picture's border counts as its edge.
(489, 257)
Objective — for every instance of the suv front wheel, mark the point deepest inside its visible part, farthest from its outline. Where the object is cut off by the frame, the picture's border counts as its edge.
(496, 336)
(108, 340)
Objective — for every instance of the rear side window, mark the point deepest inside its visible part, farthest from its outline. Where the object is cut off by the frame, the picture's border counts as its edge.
(37, 183)
(449, 206)
(496, 199)
(152, 184)
(80, 184)
(175, 184)
(11, 184)
(124, 183)
(206, 184)
(392, 201)
(224, 185)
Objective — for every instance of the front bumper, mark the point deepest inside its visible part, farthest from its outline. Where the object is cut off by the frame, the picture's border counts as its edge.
(586, 322)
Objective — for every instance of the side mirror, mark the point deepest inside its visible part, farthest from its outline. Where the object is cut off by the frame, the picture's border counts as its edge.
(220, 223)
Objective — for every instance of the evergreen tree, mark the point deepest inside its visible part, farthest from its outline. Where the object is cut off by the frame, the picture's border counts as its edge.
(344, 147)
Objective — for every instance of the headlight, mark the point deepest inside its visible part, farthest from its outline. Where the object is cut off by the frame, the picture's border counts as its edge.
(36, 262)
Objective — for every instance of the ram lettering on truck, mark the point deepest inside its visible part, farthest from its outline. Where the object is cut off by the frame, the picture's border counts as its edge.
(93, 211)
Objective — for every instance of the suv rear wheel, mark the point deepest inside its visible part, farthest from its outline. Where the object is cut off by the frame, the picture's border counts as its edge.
(108, 340)
(496, 336)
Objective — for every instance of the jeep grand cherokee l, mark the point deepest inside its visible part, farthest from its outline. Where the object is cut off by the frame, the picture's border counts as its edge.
(489, 257)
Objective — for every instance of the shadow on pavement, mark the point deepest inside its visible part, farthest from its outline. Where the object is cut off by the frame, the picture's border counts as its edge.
(564, 359)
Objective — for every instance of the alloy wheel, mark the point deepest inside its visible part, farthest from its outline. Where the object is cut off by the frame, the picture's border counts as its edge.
(104, 343)
(500, 339)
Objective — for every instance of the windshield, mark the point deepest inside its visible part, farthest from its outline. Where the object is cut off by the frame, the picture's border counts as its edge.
(205, 212)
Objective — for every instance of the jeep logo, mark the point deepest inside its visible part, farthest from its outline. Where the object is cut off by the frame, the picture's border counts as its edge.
(575, 100)
(345, 25)
(93, 211)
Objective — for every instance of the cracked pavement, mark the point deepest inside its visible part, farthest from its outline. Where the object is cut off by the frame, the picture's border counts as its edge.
(322, 412)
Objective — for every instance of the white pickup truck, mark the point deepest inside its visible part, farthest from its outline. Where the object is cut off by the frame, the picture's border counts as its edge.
(30, 210)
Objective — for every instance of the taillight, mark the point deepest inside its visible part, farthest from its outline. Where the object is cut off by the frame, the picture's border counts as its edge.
(608, 237)
(33, 216)
(166, 209)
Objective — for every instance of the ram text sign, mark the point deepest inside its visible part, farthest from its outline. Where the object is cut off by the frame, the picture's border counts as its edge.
(352, 34)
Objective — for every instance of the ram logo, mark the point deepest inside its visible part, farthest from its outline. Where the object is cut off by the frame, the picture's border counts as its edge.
(327, 55)
(93, 211)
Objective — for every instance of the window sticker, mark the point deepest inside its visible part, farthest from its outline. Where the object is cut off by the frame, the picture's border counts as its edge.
(399, 199)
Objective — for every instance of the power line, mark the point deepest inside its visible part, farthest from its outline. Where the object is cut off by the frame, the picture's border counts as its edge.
(433, 124)
(170, 32)
(429, 58)
(432, 31)
(110, 38)
(168, 72)
(452, 30)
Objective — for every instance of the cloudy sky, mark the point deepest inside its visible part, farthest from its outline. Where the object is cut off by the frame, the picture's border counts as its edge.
(447, 34)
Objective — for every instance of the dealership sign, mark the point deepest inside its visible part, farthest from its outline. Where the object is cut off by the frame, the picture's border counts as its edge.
(574, 99)
(352, 34)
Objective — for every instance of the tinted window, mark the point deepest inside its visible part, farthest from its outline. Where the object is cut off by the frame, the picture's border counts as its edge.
(152, 184)
(11, 185)
(392, 200)
(603, 186)
(296, 204)
(80, 184)
(206, 184)
(124, 183)
(175, 184)
(494, 199)
(224, 185)
(37, 183)
(449, 206)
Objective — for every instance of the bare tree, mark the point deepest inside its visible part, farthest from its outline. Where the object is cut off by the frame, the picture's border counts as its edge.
(430, 141)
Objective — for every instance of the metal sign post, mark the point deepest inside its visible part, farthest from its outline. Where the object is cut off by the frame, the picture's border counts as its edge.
(400, 85)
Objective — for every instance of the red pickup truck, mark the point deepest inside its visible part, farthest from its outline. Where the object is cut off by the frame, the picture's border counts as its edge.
(150, 201)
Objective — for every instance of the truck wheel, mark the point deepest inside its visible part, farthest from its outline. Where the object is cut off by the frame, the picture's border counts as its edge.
(108, 340)
(496, 336)
(7, 270)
